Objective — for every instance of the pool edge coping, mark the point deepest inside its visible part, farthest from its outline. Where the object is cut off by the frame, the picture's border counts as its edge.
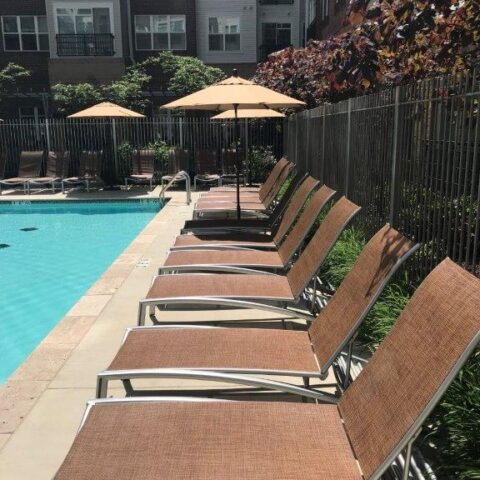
(25, 386)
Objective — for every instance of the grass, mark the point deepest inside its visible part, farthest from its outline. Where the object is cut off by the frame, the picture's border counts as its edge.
(451, 438)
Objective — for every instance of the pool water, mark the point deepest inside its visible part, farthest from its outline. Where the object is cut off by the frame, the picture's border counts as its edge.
(50, 254)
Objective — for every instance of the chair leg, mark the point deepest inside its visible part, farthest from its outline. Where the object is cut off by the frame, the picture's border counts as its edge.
(88, 186)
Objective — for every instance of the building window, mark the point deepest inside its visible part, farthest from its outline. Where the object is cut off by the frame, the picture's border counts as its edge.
(160, 32)
(81, 21)
(311, 11)
(25, 33)
(223, 34)
(277, 35)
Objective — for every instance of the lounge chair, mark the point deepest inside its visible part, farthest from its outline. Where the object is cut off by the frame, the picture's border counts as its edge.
(142, 168)
(307, 354)
(29, 168)
(177, 162)
(269, 240)
(266, 222)
(229, 160)
(275, 293)
(206, 166)
(222, 207)
(270, 180)
(89, 169)
(54, 171)
(357, 438)
(244, 260)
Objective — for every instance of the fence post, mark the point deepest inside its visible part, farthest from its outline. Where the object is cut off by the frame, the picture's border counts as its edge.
(347, 156)
(322, 162)
(180, 126)
(47, 134)
(393, 181)
(296, 138)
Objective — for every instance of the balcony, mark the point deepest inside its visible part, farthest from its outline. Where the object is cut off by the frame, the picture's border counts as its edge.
(85, 45)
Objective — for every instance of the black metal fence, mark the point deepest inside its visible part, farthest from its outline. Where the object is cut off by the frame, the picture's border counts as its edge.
(409, 156)
(188, 133)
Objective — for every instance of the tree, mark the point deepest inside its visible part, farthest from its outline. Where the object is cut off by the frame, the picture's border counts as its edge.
(181, 75)
(71, 98)
(390, 42)
(10, 76)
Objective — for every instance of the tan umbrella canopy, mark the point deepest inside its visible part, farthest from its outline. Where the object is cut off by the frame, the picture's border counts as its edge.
(106, 109)
(248, 113)
(234, 92)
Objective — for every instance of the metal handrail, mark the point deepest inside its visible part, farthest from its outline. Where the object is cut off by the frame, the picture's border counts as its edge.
(182, 175)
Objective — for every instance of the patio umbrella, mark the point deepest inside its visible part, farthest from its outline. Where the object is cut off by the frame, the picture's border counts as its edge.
(108, 110)
(234, 93)
(248, 113)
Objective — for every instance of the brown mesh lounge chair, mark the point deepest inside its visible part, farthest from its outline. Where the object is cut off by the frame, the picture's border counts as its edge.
(263, 241)
(228, 167)
(265, 223)
(226, 207)
(276, 293)
(29, 168)
(89, 169)
(356, 438)
(270, 180)
(142, 168)
(250, 261)
(307, 354)
(206, 166)
(54, 171)
(177, 162)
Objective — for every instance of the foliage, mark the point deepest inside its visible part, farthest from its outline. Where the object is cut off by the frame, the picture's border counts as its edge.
(451, 437)
(182, 75)
(125, 155)
(390, 42)
(126, 92)
(162, 153)
(260, 161)
(10, 76)
(71, 98)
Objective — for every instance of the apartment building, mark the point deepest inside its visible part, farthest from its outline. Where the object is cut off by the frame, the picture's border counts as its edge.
(73, 41)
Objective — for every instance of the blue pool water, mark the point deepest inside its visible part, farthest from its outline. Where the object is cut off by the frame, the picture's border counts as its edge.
(50, 254)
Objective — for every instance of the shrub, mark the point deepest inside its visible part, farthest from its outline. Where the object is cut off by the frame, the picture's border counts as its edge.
(260, 162)
(162, 152)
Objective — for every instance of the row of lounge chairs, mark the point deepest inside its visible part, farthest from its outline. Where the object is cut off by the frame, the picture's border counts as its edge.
(142, 169)
(355, 431)
(56, 171)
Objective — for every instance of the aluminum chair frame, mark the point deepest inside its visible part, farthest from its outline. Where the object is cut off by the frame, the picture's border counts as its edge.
(345, 346)
(271, 304)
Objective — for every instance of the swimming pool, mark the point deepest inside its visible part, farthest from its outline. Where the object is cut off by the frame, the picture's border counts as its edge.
(50, 254)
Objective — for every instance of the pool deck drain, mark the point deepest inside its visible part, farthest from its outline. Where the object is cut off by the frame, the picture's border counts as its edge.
(43, 401)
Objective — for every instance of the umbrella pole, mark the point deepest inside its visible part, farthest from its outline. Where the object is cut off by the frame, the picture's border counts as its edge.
(237, 158)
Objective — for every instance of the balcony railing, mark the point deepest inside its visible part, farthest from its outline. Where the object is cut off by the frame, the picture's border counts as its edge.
(277, 2)
(85, 45)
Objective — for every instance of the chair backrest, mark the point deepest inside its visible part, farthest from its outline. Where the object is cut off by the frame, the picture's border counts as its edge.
(275, 190)
(177, 161)
(206, 162)
(340, 319)
(300, 230)
(405, 378)
(3, 164)
(30, 164)
(228, 161)
(272, 177)
(300, 195)
(90, 161)
(56, 164)
(143, 162)
(320, 245)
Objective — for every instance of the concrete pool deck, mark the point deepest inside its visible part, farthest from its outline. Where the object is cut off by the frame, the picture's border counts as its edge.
(42, 403)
